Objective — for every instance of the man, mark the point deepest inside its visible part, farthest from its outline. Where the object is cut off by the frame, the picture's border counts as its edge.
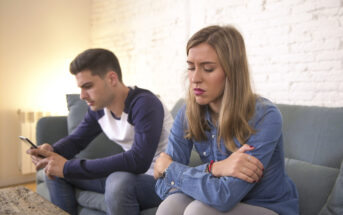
(132, 117)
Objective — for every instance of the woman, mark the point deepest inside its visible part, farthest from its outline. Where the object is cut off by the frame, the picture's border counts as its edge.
(236, 133)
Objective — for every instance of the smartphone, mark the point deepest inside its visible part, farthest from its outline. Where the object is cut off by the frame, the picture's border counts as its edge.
(27, 140)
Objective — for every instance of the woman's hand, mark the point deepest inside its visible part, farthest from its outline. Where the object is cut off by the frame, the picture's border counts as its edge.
(240, 165)
(162, 163)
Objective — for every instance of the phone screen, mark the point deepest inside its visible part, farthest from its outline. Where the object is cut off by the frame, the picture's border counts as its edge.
(27, 140)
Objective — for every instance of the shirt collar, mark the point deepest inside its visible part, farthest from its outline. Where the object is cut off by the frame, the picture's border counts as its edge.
(208, 116)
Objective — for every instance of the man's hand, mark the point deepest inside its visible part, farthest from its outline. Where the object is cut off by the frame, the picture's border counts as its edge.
(240, 165)
(52, 162)
(162, 163)
(35, 159)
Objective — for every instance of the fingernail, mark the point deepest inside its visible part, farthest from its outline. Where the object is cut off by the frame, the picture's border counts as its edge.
(251, 146)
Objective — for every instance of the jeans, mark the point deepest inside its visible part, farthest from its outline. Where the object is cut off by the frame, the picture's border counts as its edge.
(125, 193)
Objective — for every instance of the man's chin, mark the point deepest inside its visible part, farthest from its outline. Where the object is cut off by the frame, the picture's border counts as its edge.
(94, 108)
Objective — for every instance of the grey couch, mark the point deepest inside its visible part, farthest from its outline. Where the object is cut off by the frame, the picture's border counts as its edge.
(313, 142)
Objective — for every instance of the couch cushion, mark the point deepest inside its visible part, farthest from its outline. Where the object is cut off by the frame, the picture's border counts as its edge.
(101, 146)
(91, 200)
(77, 110)
(334, 205)
(314, 183)
(313, 134)
(88, 211)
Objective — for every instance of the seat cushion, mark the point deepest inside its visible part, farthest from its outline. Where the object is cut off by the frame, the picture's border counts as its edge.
(314, 183)
(334, 205)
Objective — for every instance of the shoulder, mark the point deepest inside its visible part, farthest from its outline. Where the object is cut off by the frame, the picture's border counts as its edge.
(139, 98)
(141, 102)
(267, 110)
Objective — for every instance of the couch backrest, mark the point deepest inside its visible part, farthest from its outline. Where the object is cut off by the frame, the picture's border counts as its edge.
(313, 143)
(313, 134)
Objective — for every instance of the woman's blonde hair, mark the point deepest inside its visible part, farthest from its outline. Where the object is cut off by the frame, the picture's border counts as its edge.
(238, 102)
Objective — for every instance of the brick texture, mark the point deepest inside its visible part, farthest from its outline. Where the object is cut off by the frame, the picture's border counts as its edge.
(295, 47)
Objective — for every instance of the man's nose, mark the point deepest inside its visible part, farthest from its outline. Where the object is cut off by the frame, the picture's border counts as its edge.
(83, 94)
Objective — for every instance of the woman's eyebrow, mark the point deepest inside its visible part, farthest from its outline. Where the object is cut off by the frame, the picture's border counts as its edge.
(202, 63)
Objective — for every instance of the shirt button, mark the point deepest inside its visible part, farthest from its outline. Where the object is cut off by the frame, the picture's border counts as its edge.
(204, 153)
(172, 183)
(213, 136)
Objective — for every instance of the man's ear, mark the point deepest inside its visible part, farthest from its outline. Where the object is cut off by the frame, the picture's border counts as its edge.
(112, 77)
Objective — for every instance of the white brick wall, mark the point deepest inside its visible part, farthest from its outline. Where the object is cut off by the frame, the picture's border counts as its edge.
(295, 47)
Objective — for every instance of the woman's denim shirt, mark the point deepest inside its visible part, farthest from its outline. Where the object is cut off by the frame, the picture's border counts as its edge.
(274, 191)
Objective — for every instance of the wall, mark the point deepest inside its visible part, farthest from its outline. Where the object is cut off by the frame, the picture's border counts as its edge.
(38, 39)
(295, 47)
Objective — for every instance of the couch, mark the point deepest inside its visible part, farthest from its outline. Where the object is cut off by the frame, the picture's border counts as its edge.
(313, 143)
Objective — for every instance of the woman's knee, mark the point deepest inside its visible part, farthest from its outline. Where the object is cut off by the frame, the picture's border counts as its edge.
(199, 208)
(174, 204)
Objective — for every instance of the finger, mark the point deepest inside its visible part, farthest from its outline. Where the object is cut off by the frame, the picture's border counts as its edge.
(252, 171)
(41, 152)
(251, 175)
(156, 175)
(42, 163)
(253, 160)
(245, 148)
(245, 177)
(47, 172)
(46, 147)
(29, 151)
(155, 172)
(163, 154)
(34, 159)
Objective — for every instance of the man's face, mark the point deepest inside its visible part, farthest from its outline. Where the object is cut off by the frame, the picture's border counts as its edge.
(94, 90)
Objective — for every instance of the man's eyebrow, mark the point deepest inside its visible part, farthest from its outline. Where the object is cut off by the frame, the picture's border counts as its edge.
(85, 84)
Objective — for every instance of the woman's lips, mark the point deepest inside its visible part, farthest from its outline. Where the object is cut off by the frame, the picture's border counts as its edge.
(198, 91)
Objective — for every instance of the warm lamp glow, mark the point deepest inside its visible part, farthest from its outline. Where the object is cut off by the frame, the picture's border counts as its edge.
(49, 92)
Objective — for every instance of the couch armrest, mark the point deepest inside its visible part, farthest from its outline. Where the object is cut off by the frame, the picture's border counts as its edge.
(50, 129)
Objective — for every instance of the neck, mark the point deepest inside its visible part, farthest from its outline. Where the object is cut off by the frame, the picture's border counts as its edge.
(118, 104)
(214, 117)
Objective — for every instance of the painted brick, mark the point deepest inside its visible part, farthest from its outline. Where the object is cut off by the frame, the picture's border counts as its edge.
(294, 47)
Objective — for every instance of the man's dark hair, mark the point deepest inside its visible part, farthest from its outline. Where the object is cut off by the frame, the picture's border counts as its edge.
(98, 61)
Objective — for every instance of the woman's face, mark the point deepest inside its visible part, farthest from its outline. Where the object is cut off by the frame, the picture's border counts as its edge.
(206, 76)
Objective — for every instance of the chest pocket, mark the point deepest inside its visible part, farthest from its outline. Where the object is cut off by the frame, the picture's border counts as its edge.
(204, 151)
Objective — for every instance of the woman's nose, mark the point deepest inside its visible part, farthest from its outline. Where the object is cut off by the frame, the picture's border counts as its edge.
(196, 76)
